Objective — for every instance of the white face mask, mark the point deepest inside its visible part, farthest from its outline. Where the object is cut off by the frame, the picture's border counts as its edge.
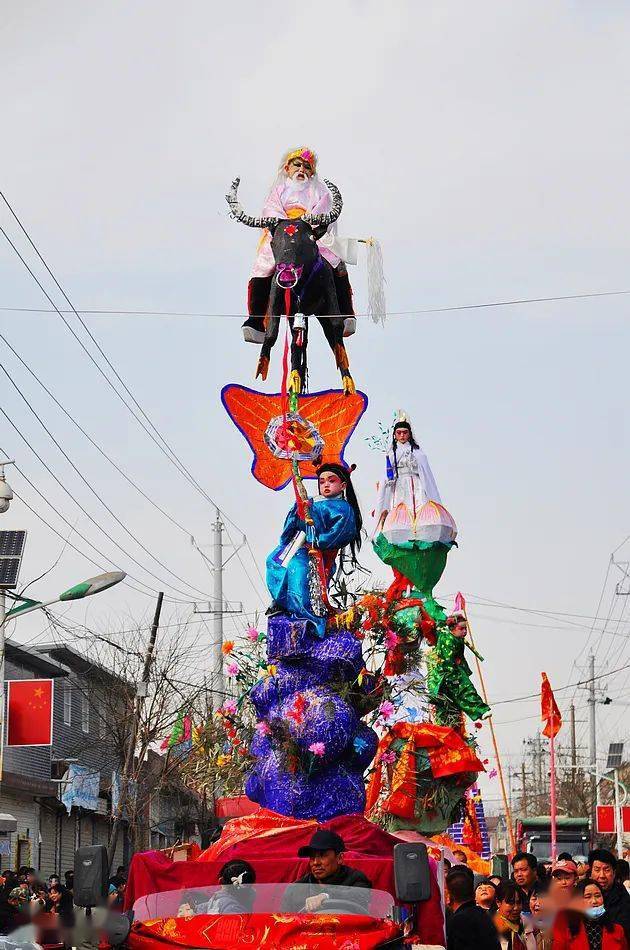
(594, 912)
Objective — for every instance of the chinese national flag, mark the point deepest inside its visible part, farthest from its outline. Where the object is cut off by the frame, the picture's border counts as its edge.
(29, 715)
(549, 709)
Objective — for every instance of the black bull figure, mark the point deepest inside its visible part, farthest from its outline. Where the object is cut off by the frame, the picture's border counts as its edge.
(303, 285)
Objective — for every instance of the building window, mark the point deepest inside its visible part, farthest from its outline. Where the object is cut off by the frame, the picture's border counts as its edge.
(67, 703)
(85, 714)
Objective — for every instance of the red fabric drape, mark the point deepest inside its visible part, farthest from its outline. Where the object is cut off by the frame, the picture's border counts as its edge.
(269, 842)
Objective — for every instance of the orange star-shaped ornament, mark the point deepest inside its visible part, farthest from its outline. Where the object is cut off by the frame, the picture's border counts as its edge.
(319, 429)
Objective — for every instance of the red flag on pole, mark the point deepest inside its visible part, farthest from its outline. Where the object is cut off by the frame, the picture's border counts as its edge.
(549, 709)
(460, 602)
(29, 713)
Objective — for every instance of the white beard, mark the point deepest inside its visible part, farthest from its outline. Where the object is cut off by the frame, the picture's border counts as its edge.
(295, 192)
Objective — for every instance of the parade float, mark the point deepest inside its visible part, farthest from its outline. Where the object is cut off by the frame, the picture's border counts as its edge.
(349, 706)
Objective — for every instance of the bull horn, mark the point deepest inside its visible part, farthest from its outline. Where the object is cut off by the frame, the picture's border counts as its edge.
(318, 220)
(238, 214)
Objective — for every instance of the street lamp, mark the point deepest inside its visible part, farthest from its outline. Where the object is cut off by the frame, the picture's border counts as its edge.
(93, 585)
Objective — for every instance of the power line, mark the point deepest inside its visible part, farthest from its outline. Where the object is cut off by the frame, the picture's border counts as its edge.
(86, 512)
(149, 590)
(519, 699)
(93, 442)
(107, 508)
(390, 313)
(162, 444)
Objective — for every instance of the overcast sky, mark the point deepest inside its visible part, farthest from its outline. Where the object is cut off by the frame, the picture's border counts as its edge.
(485, 145)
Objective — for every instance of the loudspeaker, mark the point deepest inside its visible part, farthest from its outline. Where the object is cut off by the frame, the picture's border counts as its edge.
(411, 872)
(91, 876)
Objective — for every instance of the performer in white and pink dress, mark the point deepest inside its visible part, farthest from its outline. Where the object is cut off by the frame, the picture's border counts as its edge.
(298, 190)
(408, 487)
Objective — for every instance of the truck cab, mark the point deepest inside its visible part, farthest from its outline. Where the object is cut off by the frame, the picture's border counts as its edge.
(533, 835)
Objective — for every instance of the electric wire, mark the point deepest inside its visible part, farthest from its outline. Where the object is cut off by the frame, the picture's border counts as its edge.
(109, 510)
(159, 441)
(92, 441)
(390, 313)
(109, 561)
(87, 513)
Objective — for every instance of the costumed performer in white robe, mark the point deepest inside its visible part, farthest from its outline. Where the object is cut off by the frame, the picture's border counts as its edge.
(408, 485)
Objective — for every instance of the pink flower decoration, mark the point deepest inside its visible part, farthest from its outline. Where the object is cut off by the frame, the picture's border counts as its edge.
(317, 748)
(391, 639)
(229, 707)
(386, 710)
(232, 669)
(262, 728)
(388, 758)
(492, 773)
(252, 634)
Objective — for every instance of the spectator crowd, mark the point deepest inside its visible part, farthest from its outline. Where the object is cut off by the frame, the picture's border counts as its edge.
(570, 905)
(25, 898)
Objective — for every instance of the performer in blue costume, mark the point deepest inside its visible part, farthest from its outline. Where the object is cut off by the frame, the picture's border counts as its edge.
(336, 525)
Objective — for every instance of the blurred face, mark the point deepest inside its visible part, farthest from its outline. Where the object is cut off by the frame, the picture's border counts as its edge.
(564, 880)
(539, 905)
(604, 874)
(593, 896)
(299, 169)
(510, 908)
(582, 869)
(484, 895)
(402, 435)
(321, 864)
(523, 874)
(330, 485)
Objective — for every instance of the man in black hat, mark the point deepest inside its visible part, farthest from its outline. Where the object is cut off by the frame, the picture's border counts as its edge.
(325, 869)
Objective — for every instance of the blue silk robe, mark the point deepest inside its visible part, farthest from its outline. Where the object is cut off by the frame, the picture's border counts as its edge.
(335, 526)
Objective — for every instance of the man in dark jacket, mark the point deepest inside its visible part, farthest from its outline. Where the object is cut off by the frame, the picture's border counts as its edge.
(616, 898)
(325, 869)
(469, 927)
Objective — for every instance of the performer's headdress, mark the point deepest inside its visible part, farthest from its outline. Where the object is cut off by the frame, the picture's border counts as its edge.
(401, 421)
(344, 472)
(456, 618)
(307, 154)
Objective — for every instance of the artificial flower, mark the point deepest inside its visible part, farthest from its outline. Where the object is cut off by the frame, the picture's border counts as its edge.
(386, 710)
(252, 634)
(232, 669)
(227, 647)
(262, 728)
(317, 748)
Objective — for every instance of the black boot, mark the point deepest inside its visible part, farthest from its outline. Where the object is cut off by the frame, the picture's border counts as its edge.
(257, 301)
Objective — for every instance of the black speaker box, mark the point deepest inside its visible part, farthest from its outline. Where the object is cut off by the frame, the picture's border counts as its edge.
(91, 876)
(411, 872)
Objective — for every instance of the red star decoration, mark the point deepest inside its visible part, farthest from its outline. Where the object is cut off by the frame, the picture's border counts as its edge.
(330, 417)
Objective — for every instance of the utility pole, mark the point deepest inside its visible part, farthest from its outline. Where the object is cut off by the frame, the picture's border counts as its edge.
(524, 788)
(593, 740)
(573, 744)
(216, 647)
(218, 608)
(141, 693)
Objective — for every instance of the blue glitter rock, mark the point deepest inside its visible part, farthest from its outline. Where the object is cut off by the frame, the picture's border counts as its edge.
(312, 762)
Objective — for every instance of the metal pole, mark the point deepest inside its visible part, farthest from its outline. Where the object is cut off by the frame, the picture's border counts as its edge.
(2, 625)
(552, 789)
(495, 745)
(216, 652)
(593, 742)
(618, 816)
(573, 744)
